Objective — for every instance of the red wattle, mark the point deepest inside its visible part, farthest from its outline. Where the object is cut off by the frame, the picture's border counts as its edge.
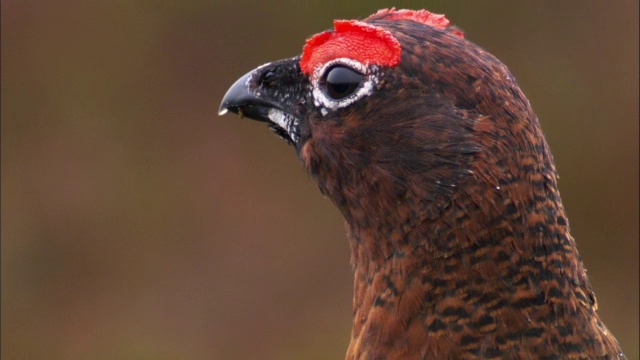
(351, 39)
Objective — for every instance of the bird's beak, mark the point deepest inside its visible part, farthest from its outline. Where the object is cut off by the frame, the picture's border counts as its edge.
(269, 93)
(241, 101)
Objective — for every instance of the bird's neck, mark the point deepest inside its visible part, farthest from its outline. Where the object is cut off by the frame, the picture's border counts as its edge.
(438, 284)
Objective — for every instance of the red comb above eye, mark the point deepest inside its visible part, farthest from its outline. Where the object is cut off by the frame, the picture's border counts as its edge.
(366, 43)
(351, 39)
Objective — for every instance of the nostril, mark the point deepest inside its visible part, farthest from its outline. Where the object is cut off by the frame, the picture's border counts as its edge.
(268, 79)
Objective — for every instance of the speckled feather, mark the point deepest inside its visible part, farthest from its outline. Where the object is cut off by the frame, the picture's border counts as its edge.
(460, 243)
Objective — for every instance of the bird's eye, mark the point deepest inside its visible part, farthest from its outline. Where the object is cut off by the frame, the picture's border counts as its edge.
(341, 81)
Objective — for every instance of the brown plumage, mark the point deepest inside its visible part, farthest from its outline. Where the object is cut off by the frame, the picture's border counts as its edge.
(424, 141)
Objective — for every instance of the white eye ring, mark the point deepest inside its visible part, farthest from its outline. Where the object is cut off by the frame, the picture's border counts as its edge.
(325, 103)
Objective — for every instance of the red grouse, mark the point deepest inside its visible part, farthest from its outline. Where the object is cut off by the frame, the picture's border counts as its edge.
(424, 141)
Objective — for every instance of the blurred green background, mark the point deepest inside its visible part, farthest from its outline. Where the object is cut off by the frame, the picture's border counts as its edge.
(136, 224)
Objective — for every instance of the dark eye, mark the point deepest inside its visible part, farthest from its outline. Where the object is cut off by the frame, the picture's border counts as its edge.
(341, 81)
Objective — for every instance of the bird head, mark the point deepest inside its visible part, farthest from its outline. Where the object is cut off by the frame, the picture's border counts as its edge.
(435, 158)
(396, 110)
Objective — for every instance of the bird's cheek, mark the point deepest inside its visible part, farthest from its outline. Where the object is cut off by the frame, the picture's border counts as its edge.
(318, 160)
(326, 143)
(328, 132)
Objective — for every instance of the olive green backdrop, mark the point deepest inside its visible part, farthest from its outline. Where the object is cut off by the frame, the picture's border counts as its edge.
(137, 224)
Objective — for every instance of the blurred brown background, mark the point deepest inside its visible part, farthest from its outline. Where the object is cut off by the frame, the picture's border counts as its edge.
(136, 224)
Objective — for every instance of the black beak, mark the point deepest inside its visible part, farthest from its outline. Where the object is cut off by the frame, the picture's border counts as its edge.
(273, 93)
(241, 101)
